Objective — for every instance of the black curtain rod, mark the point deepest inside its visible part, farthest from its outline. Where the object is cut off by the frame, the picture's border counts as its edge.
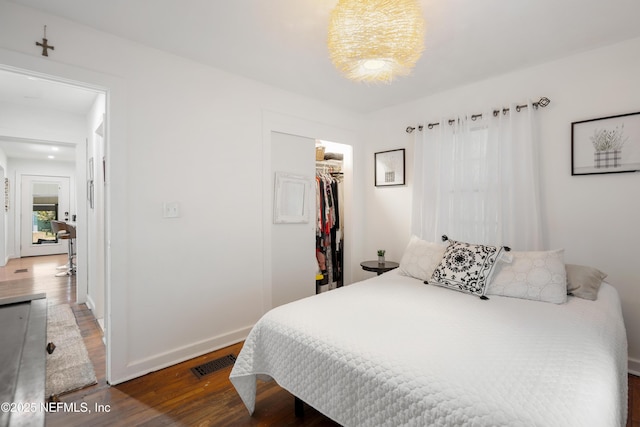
(542, 102)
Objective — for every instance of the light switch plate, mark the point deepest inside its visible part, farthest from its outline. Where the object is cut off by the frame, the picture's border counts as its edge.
(171, 210)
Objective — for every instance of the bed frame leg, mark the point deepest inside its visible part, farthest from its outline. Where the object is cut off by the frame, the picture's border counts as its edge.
(298, 407)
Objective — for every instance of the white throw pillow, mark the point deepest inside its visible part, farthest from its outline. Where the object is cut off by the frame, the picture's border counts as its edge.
(420, 258)
(466, 267)
(537, 275)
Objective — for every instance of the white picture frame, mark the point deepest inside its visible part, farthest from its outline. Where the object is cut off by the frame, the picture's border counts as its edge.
(291, 199)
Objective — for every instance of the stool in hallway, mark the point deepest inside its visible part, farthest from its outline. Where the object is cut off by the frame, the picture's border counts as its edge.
(59, 228)
(66, 231)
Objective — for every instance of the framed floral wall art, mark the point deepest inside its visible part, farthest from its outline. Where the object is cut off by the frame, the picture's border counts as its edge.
(606, 145)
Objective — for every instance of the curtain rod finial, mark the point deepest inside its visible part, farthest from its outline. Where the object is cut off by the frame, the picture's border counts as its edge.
(544, 101)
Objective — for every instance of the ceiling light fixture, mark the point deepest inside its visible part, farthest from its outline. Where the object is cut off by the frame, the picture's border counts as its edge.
(376, 40)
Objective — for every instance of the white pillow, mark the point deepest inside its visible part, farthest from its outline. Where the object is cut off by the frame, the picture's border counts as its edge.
(466, 267)
(420, 258)
(538, 276)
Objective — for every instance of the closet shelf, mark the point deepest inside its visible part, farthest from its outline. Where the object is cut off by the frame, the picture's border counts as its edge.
(329, 166)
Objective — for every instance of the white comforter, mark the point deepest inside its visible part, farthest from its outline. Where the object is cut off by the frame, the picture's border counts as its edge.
(392, 351)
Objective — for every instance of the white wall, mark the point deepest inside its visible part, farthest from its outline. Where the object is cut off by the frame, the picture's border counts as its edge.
(4, 224)
(180, 132)
(3, 159)
(595, 218)
(95, 215)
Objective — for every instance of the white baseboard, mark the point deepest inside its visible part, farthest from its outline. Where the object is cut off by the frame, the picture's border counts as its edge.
(91, 304)
(104, 335)
(634, 366)
(92, 307)
(138, 368)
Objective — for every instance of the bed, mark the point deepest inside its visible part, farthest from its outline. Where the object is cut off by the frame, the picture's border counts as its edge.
(393, 351)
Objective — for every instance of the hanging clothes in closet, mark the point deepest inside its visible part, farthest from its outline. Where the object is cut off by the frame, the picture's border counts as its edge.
(329, 242)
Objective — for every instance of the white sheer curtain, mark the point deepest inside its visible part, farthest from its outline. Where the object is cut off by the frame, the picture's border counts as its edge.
(477, 180)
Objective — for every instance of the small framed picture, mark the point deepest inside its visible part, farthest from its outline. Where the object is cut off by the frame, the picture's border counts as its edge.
(291, 199)
(606, 145)
(389, 168)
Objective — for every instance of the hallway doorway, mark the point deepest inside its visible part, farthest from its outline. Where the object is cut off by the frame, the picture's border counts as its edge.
(43, 199)
(47, 136)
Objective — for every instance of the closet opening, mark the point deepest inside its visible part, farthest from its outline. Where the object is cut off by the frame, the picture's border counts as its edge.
(333, 161)
(291, 265)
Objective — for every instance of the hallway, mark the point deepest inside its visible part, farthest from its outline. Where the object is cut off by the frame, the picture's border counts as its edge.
(30, 275)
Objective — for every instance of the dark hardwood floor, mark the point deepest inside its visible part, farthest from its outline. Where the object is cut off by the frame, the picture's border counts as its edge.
(173, 396)
(634, 401)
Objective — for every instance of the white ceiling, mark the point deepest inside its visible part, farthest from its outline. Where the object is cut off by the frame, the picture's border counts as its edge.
(283, 42)
(37, 150)
(40, 95)
(29, 91)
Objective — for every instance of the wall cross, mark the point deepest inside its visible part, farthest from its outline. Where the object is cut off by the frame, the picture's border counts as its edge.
(45, 45)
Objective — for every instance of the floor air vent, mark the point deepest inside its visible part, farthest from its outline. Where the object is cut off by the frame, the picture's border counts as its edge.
(22, 270)
(214, 365)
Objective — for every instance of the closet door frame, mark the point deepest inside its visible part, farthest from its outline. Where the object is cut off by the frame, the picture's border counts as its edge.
(281, 123)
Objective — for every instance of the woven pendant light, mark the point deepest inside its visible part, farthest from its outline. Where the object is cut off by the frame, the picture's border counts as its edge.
(376, 40)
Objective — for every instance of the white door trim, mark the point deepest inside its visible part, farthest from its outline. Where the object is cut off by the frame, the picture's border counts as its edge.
(282, 123)
(117, 307)
(24, 223)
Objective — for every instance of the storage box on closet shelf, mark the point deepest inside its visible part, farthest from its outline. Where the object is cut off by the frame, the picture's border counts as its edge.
(319, 153)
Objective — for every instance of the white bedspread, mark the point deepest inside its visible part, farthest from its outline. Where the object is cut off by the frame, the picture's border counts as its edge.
(392, 351)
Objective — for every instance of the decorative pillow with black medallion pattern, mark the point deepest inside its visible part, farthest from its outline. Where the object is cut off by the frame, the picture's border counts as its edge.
(466, 267)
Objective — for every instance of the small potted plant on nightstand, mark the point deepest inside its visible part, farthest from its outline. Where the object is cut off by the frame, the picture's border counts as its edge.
(381, 256)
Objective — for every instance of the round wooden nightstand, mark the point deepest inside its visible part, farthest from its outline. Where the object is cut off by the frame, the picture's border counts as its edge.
(379, 267)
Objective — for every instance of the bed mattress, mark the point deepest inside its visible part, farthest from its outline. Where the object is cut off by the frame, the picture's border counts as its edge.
(391, 351)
